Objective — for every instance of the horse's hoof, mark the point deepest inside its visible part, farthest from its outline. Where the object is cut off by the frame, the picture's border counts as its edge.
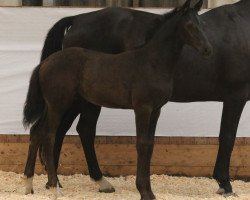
(220, 191)
(107, 190)
(105, 186)
(60, 185)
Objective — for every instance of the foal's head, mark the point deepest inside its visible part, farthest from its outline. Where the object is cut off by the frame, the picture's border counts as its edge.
(190, 28)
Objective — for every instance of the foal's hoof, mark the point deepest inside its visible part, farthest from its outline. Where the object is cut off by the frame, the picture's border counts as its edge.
(107, 190)
(49, 185)
(55, 190)
(148, 197)
(28, 185)
(29, 191)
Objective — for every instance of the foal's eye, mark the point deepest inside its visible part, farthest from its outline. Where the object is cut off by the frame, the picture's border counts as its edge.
(199, 21)
(189, 25)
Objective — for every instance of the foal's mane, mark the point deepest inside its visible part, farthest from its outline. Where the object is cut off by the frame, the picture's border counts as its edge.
(159, 22)
(170, 14)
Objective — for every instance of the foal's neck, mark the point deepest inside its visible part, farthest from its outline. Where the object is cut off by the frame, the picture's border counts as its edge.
(166, 45)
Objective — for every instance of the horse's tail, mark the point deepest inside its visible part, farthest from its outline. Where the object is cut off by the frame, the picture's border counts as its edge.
(34, 106)
(54, 38)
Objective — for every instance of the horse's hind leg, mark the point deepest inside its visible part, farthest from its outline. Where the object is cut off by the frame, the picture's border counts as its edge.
(146, 121)
(232, 108)
(31, 160)
(86, 129)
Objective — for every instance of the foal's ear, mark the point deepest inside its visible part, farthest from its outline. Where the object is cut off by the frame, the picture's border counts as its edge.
(198, 5)
(185, 7)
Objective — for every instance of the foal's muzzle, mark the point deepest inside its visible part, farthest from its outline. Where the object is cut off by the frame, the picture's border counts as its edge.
(207, 51)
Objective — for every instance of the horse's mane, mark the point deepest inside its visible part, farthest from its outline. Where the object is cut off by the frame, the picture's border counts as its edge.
(170, 14)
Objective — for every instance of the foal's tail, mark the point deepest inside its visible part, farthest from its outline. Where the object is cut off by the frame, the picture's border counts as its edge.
(54, 38)
(34, 105)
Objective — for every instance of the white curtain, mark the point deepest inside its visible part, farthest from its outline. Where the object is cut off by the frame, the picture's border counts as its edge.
(21, 38)
(216, 3)
(10, 2)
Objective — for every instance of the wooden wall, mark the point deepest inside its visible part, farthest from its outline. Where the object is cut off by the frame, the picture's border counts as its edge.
(117, 156)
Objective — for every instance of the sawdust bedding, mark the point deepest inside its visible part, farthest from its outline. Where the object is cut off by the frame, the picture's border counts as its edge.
(80, 187)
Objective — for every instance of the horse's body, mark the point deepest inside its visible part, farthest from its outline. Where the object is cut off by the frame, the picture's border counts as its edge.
(224, 77)
(140, 79)
(110, 30)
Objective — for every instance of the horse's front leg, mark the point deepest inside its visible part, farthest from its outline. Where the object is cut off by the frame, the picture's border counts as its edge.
(86, 129)
(146, 120)
(234, 103)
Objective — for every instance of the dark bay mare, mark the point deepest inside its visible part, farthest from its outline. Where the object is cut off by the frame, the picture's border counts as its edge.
(140, 79)
(224, 77)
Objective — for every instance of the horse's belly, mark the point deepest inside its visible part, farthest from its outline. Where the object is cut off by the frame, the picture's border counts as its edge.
(195, 89)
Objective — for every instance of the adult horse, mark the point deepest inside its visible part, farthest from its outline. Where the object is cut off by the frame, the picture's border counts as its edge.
(140, 79)
(224, 77)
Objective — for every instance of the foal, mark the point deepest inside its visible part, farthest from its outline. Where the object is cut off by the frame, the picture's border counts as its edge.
(140, 79)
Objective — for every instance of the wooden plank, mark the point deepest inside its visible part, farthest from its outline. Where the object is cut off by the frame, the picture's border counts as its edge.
(74, 139)
(117, 156)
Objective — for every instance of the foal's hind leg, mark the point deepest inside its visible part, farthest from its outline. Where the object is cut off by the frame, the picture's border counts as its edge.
(232, 109)
(86, 129)
(52, 122)
(146, 121)
(64, 126)
(31, 160)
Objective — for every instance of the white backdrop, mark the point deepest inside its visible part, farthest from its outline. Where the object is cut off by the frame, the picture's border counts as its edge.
(21, 38)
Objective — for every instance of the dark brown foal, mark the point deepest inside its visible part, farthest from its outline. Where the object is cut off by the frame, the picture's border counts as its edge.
(140, 79)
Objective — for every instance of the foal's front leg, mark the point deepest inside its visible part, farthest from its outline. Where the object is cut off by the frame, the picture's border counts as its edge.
(146, 121)
(64, 126)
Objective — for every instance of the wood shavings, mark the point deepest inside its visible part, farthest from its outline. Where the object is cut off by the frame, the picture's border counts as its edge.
(80, 187)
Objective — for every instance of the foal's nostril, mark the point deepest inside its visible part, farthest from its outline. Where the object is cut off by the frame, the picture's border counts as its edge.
(207, 51)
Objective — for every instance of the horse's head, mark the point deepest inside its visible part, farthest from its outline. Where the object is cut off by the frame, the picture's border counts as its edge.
(190, 28)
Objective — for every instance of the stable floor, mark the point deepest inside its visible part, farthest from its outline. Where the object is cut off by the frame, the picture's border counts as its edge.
(79, 187)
